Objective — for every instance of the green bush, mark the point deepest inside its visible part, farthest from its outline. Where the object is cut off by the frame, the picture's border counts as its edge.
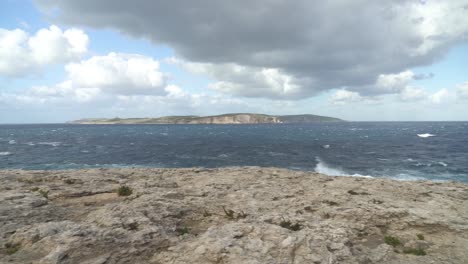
(414, 251)
(392, 241)
(124, 191)
(182, 231)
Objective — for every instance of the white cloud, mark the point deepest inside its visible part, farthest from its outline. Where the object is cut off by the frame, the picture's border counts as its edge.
(102, 78)
(440, 96)
(410, 93)
(125, 83)
(22, 54)
(407, 94)
(118, 73)
(393, 83)
(462, 91)
(342, 96)
(248, 81)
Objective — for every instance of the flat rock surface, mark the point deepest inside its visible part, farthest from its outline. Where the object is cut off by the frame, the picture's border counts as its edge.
(229, 215)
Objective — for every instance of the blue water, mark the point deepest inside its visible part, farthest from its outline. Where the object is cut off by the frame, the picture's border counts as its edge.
(377, 149)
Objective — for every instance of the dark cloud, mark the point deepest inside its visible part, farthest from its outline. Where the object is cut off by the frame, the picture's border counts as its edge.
(325, 44)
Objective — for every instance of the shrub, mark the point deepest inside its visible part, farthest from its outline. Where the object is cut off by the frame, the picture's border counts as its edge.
(182, 231)
(414, 251)
(392, 241)
(44, 193)
(124, 191)
(289, 225)
(12, 248)
(420, 236)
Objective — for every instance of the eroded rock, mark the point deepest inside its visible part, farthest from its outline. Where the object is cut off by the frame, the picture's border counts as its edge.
(231, 215)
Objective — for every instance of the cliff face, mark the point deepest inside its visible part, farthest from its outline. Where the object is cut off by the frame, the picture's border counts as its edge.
(241, 118)
(236, 119)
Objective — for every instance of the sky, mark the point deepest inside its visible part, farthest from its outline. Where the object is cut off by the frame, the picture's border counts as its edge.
(365, 60)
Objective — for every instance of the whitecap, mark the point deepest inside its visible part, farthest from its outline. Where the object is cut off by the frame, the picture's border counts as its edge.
(426, 135)
(275, 154)
(5, 153)
(53, 144)
(326, 146)
(442, 163)
(11, 142)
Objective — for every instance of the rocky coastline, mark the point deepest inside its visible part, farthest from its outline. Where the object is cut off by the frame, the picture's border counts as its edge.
(228, 215)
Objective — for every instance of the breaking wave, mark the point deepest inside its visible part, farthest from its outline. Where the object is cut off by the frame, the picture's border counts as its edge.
(324, 168)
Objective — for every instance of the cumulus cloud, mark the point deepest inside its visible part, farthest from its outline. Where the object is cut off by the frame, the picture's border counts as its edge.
(122, 83)
(462, 91)
(410, 93)
(22, 54)
(440, 96)
(118, 73)
(393, 83)
(292, 49)
(100, 78)
(248, 81)
(343, 96)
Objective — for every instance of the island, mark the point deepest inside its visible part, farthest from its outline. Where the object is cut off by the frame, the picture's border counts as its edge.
(235, 118)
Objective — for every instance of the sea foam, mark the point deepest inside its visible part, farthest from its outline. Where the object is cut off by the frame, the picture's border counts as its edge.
(324, 168)
(53, 144)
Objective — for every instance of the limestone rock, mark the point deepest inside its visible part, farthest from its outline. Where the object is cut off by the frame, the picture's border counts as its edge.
(231, 215)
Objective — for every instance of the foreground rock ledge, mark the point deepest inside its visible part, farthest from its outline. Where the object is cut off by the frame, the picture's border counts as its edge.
(231, 215)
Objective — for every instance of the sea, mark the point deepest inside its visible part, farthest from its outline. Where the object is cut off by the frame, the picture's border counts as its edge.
(399, 150)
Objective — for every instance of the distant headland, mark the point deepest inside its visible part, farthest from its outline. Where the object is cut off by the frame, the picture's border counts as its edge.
(236, 118)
